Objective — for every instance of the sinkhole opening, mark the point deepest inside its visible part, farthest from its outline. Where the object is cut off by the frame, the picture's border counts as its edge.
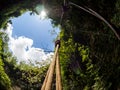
(32, 37)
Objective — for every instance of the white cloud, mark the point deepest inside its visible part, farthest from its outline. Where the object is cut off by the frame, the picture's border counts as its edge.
(22, 48)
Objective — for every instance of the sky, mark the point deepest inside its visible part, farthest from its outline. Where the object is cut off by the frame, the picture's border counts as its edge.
(36, 29)
(30, 37)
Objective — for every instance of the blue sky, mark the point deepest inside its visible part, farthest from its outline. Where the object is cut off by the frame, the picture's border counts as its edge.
(30, 37)
(38, 30)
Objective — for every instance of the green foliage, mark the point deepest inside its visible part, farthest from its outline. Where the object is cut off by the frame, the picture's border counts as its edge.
(32, 77)
(89, 50)
(5, 82)
(14, 8)
(25, 76)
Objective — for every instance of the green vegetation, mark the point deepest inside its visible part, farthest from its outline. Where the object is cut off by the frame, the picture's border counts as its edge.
(24, 76)
(91, 50)
(4, 79)
(89, 53)
(21, 75)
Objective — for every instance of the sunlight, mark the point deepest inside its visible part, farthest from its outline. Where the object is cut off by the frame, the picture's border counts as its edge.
(43, 14)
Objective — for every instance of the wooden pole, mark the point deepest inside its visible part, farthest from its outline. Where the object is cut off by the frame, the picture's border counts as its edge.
(48, 80)
(58, 74)
(45, 81)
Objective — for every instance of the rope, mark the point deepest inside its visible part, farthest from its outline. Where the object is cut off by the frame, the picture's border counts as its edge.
(49, 76)
(61, 17)
(92, 12)
(63, 11)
